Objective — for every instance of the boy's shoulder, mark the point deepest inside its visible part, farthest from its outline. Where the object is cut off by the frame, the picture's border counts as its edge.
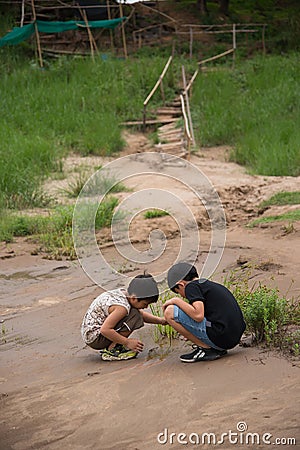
(112, 294)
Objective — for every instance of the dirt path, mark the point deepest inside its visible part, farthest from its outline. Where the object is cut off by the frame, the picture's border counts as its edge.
(57, 394)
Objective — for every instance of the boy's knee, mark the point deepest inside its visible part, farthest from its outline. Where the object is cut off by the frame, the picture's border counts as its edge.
(169, 313)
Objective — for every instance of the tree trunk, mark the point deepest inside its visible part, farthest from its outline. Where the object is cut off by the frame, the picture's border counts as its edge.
(224, 7)
(202, 6)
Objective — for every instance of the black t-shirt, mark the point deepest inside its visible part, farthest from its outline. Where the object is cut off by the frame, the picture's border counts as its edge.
(220, 309)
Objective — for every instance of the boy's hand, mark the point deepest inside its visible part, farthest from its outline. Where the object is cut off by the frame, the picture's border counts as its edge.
(135, 345)
(163, 321)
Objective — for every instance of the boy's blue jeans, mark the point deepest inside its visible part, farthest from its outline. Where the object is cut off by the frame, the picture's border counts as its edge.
(198, 329)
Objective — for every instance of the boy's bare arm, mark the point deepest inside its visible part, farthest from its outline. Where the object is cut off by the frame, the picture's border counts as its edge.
(117, 313)
(195, 311)
(150, 318)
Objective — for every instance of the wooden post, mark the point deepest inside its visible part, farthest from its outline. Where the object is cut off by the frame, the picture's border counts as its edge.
(233, 43)
(83, 13)
(162, 92)
(144, 118)
(123, 32)
(191, 42)
(23, 13)
(188, 104)
(110, 31)
(263, 39)
(37, 34)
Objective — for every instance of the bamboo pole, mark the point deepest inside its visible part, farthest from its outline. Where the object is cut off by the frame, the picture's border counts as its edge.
(22, 13)
(263, 39)
(191, 42)
(186, 127)
(187, 101)
(123, 32)
(110, 31)
(37, 34)
(200, 63)
(233, 42)
(185, 33)
(216, 57)
(83, 13)
(192, 79)
(159, 81)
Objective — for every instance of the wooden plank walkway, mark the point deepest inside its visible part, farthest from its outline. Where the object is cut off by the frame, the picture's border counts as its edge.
(170, 132)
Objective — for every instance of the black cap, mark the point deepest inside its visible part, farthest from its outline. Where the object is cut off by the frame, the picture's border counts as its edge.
(143, 287)
(178, 272)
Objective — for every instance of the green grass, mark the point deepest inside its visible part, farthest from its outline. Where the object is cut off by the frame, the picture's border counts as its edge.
(53, 232)
(157, 310)
(75, 105)
(153, 213)
(272, 319)
(99, 184)
(282, 198)
(256, 109)
(291, 216)
(72, 105)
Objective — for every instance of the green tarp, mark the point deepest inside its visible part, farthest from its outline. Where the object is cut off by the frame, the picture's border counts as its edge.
(18, 35)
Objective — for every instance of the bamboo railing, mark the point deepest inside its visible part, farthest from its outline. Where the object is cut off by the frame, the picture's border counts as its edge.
(204, 61)
(157, 84)
(187, 132)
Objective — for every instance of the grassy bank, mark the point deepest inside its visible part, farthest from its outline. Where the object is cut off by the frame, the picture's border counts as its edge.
(77, 105)
(72, 105)
(52, 233)
(255, 108)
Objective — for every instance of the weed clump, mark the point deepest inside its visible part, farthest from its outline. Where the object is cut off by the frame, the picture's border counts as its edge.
(271, 319)
(53, 232)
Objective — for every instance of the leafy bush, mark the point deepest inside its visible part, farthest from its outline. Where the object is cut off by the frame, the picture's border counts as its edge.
(267, 314)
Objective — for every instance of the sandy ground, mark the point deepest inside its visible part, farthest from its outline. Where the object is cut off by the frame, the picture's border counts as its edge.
(57, 394)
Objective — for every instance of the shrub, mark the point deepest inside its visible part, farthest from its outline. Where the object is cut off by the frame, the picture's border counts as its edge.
(267, 314)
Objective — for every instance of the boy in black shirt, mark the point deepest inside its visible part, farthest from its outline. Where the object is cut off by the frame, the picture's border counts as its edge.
(211, 319)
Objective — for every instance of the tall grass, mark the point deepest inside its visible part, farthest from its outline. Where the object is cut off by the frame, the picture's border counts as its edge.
(255, 107)
(71, 105)
(77, 105)
(53, 232)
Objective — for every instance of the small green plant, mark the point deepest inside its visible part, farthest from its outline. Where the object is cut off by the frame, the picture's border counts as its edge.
(282, 198)
(156, 309)
(153, 213)
(296, 349)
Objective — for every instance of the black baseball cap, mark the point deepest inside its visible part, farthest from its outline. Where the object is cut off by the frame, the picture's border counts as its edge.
(178, 272)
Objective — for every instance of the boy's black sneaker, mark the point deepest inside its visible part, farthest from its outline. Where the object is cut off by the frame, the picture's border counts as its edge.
(202, 354)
